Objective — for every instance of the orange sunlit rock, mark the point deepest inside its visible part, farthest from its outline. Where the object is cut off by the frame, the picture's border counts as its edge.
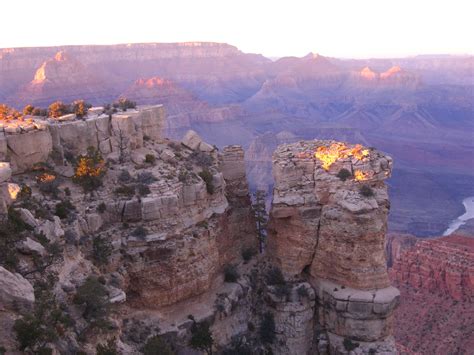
(13, 191)
(329, 155)
(44, 178)
(360, 175)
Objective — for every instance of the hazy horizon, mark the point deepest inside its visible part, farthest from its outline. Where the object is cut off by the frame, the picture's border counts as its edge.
(342, 29)
(271, 57)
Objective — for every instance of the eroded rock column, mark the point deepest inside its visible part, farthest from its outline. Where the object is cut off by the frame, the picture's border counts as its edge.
(327, 225)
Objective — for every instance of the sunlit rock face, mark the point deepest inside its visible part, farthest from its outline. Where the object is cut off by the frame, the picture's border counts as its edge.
(321, 221)
(327, 224)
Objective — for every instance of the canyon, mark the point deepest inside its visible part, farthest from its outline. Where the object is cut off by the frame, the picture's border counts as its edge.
(417, 109)
(181, 246)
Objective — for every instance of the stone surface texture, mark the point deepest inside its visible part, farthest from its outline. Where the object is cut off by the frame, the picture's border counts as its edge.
(324, 228)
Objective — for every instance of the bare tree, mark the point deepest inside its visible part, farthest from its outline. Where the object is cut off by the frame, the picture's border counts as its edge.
(261, 216)
(121, 143)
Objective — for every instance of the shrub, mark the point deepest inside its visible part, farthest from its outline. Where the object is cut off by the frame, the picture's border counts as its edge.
(344, 174)
(25, 192)
(63, 208)
(101, 250)
(202, 159)
(28, 110)
(150, 158)
(267, 329)
(140, 232)
(156, 345)
(274, 276)
(57, 109)
(143, 190)
(146, 177)
(124, 104)
(107, 349)
(67, 191)
(124, 176)
(7, 113)
(201, 337)
(126, 190)
(102, 207)
(92, 295)
(90, 169)
(366, 191)
(349, 345)
(80, 108)
(48, 183)
(230, 273)
(45, 324)
(302, 291)
(207, 177)
(248, 254)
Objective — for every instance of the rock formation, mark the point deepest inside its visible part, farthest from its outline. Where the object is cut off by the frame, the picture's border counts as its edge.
(33, 141)
(327, 225)
(435, 278)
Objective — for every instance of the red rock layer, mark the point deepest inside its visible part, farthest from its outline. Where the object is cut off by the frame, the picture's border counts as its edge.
(443, 266)
(435, 278)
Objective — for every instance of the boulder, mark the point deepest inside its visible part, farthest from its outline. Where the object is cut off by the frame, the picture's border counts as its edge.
(5, 172)
(29, 246)
(15, 290)
(191, 140)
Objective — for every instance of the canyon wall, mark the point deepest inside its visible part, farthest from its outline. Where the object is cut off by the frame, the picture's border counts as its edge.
(329, 227)
(26, 143)
(436, 281)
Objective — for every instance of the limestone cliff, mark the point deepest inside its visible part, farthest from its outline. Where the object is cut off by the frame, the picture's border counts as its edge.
(435, 277)
(327, 225)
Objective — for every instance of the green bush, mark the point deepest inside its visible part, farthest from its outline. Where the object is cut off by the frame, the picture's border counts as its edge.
(248, 253)
(201, 336)
(126, 190)
(124, 176)
(349, 345)
(302, 291)
(101, 250)
(146, 178)
(267, 329)
(157, 346)
(92, 295)
(344, 174)
(143, 189)
(140, 232)
(230, 273)
(63, 208)
(274, 276)
(102, 207)
(45, 324)
(150, 158)
(366, 191)
(207, 177)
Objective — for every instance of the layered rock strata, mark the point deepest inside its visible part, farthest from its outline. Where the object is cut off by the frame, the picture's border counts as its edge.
(436, 281)
(26, 143)
(327, 225)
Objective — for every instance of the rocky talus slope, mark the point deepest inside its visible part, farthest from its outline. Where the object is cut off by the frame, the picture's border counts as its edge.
(436, 280)
(327, 226)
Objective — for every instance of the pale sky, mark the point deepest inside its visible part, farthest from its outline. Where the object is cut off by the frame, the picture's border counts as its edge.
(338, 28)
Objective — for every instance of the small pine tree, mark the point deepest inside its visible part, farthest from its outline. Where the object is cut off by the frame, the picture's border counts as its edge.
(261, 216)
(201, 338)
